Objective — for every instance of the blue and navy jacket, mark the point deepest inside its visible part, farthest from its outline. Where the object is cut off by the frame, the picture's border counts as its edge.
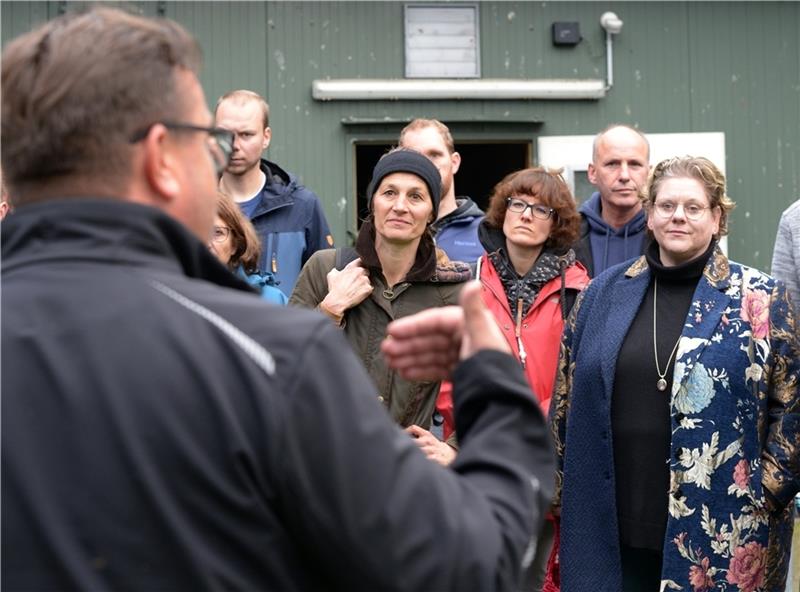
(457, 233)
(291, 225)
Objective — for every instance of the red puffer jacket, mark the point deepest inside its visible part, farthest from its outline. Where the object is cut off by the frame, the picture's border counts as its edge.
(539, 331)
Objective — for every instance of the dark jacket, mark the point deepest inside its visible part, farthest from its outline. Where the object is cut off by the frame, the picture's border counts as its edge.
(163, 432)
(600, 246)
(433, 281)
(291, 224)
(734, 411)
(457, 233)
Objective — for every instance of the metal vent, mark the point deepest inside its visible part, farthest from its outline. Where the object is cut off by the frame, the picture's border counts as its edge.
(442, 41)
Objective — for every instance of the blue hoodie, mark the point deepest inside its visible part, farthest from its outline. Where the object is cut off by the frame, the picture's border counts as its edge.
(607, 245)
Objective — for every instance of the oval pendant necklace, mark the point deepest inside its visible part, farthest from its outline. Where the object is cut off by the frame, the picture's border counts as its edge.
(662, 381)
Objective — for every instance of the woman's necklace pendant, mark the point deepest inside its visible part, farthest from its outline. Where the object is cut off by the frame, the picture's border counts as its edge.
(661, 384)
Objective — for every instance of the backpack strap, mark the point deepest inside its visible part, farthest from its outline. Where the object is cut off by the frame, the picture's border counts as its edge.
(345, 255)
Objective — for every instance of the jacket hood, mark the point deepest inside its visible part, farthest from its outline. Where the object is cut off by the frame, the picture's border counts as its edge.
(591, 209)
(466, 211)
(278, 180)
(465, 207)
(108, 230)
(490, 237)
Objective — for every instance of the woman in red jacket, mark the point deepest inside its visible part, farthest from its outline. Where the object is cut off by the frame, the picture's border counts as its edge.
(530, 281)
(529, 273)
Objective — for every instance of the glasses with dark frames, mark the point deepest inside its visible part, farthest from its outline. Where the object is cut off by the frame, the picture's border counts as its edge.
(220, 141)
(518, 206)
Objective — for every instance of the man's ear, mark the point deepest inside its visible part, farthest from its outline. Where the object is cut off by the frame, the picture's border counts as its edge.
(455, 159)
(591, 174)
(160, 163)
(267, 138)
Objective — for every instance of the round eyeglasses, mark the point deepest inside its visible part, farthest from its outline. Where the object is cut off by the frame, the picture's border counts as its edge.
(219, 234)
(518, 206)
(666, 209)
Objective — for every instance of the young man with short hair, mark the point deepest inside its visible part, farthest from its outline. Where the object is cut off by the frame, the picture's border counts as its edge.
(287, 216)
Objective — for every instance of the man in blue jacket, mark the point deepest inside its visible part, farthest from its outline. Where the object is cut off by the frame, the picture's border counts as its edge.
(456, 226)
(288, 217)
(612, 219)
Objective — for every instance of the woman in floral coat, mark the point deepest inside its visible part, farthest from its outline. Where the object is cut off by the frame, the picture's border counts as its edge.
(676, 411)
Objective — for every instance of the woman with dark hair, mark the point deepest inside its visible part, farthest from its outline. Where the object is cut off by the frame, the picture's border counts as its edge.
(676, 409)
(235, 243)
(394, 271)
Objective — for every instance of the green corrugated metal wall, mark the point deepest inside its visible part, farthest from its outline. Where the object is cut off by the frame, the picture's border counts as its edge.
(679, 67)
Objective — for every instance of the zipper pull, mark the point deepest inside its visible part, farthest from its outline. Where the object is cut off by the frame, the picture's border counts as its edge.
(518, 332)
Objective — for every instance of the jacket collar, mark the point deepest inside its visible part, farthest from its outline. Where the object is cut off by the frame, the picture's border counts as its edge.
(278, 190)
(108, 230)
(466, 211)
(717, 269)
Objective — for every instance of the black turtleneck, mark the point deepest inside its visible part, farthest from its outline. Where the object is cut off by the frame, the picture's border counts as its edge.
(640, 416)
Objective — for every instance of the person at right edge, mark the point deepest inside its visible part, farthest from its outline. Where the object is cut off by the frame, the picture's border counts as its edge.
(676, 409)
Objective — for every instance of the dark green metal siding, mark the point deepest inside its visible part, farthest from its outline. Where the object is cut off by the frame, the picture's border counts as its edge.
(678, 67)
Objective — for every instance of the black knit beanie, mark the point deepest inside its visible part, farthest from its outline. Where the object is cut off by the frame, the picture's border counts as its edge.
(408, 161)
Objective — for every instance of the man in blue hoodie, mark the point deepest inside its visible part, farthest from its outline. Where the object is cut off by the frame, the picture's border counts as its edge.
(288, 217)
(612, 220)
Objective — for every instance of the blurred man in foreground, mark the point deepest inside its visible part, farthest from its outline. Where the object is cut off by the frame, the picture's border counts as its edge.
(162, 427)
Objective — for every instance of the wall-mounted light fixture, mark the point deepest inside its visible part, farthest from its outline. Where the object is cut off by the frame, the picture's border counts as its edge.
(612, 25)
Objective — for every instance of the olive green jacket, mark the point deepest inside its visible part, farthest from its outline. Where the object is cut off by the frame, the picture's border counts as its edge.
(365, 324)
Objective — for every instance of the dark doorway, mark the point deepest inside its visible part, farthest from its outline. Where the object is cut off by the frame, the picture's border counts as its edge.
(483, 165)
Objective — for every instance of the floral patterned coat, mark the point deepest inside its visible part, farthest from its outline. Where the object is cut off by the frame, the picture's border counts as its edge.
(735, 448)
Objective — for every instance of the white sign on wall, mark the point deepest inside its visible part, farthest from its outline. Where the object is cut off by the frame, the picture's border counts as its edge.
(442, 41)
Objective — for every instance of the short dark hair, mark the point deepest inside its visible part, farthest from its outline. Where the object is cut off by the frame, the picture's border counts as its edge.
(77, 88)
(242, 96)
(549, 187)
(246, 245)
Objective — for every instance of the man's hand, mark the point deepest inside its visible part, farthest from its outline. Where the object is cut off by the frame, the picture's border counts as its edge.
(429, 344)
(434, 449)
(346, 288)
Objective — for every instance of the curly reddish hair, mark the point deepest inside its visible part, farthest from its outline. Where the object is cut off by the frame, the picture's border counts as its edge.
(549, 187)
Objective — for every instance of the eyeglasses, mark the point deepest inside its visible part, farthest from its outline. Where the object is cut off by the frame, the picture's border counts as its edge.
(539, 211)
(220, 234)
(666, 209)
(220, 141)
